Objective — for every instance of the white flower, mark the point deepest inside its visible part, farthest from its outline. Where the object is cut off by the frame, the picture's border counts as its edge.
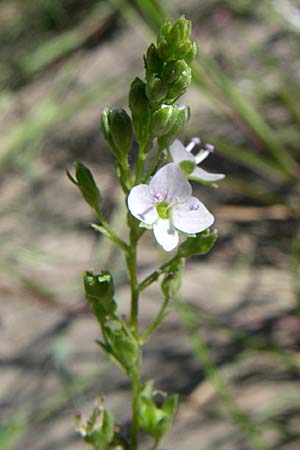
(182, 156)
(167, 205)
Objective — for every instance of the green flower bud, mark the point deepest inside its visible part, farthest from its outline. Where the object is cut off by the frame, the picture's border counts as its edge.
(86, 184)
(174, 41)
(153, 61)
(181, 30)
(120, 344)
(165, 30)
(179, 87)
(139, 105)
(156, 90)
(191, 53)
(99, 291)
(121, 130)
(173, 70)
(164, 50)
(138, 101)
(199, 245)
(155, 420)
(181, 117)
(105, 123)
(163, 120)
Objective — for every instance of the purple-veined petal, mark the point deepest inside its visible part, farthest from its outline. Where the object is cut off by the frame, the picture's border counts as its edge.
(179, 152)
(141, 205)
(165, 234)
(192, 216)
(206, 176)
(170, 183)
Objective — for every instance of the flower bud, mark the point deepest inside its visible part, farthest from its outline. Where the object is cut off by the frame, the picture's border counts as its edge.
(138, 101)
(105, 124)
(86, 184)
(153, 419)
(181, 30)
(121, 130)
(163, 120)
(174, 41)
(156, 90)
(179, 87)
(153, 61)
(99, 291)
(173, 70)
(191, 53)
(120, 344)
(181, 117)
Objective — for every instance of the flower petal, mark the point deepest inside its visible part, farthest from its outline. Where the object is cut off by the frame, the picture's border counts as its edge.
(179, 152)
(141, 204)
(206, 176)
(165, 234)
(170, 183)
(192, 216)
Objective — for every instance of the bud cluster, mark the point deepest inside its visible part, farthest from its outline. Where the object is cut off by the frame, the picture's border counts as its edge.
(151, 102)
(168, 71)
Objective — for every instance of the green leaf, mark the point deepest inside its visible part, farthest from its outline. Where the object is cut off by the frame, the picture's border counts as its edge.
(200, 245)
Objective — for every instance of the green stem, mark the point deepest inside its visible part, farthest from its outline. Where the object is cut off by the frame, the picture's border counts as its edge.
(135, 389)
(156, 274)
(110, 233)
(156, 322)
(156, 444)
(131, 261)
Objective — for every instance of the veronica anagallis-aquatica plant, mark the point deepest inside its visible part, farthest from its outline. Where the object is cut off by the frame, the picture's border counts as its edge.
(158, 196)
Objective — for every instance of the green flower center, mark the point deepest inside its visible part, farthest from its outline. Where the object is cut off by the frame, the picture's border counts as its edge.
(164, 209)
(187, 166)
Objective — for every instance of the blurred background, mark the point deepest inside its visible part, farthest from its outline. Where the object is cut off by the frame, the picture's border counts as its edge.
(231, 348)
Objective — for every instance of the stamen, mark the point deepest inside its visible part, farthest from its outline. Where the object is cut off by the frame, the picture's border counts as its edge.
(201, 156)
(209, 148)
(194, 141)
